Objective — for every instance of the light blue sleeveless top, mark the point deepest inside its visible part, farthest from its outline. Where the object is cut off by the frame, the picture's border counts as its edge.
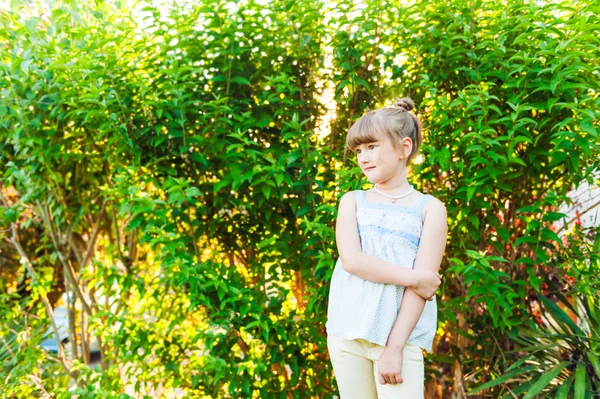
(363, 309)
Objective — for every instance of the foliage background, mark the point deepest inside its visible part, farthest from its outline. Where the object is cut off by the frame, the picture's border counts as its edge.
(182, 163)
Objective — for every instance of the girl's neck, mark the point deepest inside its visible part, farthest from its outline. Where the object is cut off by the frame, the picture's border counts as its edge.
(395, 185)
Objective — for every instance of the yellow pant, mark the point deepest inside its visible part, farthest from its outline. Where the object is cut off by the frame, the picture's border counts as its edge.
(355, 369)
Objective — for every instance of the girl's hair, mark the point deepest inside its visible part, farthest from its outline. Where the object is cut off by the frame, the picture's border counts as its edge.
(394, 122)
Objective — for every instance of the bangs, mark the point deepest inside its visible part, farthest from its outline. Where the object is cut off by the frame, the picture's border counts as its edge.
(365, 130)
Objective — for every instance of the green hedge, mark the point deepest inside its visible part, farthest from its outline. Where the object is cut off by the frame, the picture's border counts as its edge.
(181, 159)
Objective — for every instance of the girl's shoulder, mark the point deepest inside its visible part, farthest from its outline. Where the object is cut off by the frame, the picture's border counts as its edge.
(350, 196)
(433, 206)
(433, 199)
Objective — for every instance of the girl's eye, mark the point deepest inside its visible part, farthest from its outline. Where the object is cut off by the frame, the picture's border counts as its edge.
(369, 147)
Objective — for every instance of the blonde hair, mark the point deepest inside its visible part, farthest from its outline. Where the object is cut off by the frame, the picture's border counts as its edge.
(394, 122)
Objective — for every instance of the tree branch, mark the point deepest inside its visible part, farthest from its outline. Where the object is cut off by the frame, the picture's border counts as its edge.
(14, 239)
(70, 273)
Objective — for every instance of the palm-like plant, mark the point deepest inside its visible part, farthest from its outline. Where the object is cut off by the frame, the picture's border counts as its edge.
(559, 357)
(23, 364)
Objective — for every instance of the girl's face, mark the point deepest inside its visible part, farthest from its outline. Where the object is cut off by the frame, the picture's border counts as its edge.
(380, 161)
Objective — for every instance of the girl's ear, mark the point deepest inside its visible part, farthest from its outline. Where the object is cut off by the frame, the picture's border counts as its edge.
(406, 147)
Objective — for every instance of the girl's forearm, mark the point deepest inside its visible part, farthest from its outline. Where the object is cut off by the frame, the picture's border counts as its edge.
(376, 270)
(410, 311)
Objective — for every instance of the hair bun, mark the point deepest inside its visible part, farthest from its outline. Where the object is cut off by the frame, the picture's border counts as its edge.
(405, 103)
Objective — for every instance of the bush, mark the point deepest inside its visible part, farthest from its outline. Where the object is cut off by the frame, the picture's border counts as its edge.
(181, 158)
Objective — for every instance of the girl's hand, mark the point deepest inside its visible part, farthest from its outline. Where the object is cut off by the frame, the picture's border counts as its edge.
(428, 282)
(389, 366)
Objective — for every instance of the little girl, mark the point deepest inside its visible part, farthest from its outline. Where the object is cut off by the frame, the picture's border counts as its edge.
(391, 241)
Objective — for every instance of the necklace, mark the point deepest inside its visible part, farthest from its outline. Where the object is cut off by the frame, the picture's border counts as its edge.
(394, 198)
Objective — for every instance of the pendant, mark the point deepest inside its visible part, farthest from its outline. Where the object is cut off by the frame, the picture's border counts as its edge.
(393, 200)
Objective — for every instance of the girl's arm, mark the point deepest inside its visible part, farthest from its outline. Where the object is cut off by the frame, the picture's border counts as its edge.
(354, 261)
(429, 256)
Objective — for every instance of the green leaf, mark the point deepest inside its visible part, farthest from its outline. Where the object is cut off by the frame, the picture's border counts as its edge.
(266, 189)
(10, 215)
(560, 315)
(495, 258)
(221, 184)
(158, 140)
(580, 377)
(192, 192)
(594, 361)
(470, 192)
(587, 127)
(292, 157)
(565, 387)
(553, 216)
(279, 179)
(549, 235)
(545, 379)
(240, 80)
(503, 378)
